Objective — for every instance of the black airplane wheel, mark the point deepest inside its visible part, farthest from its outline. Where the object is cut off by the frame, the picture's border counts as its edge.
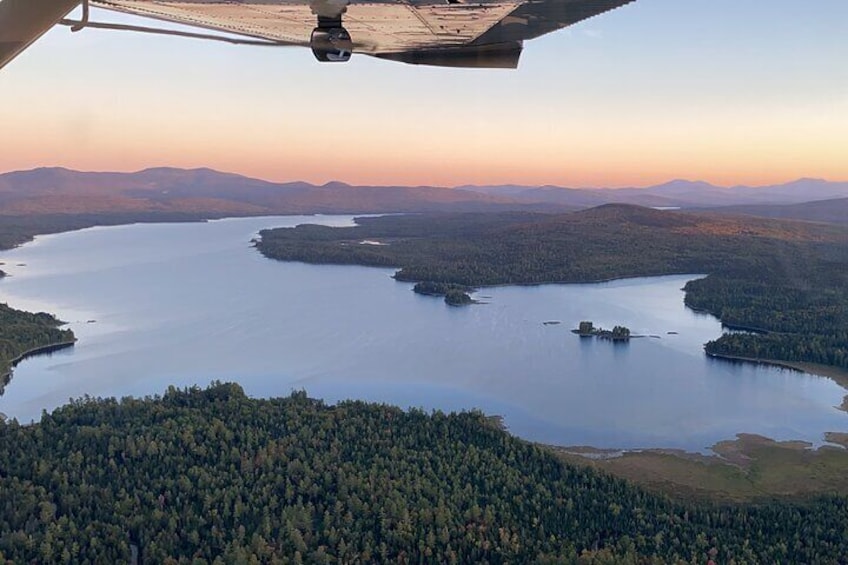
(331, 44)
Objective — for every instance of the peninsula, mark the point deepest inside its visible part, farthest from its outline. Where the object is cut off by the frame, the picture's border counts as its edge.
(23, 334)
(788, 278)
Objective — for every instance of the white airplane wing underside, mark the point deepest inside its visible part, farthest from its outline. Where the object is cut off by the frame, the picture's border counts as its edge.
(485, 33)
(375, 26)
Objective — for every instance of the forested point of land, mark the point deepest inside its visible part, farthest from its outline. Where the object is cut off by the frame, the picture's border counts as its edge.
(787, 279)
(211, 476)
(22, 333)
(428, 288)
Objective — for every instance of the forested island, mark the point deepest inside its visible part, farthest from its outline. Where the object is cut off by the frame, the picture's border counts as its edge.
(23, 334)
(786, 279)
(588, 329)
(212, 476)
(454, 294)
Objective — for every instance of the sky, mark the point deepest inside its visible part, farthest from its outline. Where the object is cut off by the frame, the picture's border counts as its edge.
(727, 91)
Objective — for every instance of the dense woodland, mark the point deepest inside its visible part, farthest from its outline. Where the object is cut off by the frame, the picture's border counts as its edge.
(21, 332)
(787, 279)
(213, 476)
(795, 301)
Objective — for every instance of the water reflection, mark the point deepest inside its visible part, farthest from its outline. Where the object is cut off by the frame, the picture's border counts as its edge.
(187, 303)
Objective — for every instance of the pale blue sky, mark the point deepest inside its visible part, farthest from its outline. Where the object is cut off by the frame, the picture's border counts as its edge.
(728, 91)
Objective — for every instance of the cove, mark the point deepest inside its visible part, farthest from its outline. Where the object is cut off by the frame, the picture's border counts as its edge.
(154, 305)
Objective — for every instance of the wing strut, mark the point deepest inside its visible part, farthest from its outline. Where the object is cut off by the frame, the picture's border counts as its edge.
(84, 22)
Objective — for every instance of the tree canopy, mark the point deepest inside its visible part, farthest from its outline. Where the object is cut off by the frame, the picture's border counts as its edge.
(24, 332)
(212, 476)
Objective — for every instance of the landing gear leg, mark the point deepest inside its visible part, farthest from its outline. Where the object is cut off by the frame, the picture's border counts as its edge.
(331, 42)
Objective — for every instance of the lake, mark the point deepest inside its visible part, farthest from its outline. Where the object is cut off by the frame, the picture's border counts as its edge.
(159, 304)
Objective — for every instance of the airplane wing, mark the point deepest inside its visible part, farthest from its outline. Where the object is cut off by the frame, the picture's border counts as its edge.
(24, 21)
(458, 33)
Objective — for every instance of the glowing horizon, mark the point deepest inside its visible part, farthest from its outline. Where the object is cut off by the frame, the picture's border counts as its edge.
(322, 181)
(638, 97)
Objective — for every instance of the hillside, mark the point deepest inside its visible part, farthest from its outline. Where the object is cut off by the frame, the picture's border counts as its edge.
(832, 211)
(610, 241)
(213, 476)
(788, 280)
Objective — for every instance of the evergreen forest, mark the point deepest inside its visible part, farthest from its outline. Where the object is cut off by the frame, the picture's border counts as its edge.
(212, 476)
(22, 333)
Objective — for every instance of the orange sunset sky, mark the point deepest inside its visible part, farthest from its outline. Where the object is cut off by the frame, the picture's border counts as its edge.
(661, 89)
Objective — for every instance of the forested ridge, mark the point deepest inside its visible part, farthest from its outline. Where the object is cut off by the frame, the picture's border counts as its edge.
(787, 279)
(202, 476)
(22, 332)
(795, 300)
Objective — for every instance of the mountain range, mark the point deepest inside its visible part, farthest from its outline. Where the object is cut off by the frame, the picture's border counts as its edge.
(212, 193)
(206, 192)
(674, 194)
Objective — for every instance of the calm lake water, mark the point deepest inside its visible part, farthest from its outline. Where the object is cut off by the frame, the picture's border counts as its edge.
(183, 304)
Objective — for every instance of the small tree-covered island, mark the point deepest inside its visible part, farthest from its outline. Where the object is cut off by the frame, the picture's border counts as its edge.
(588, 329)
(455, 294)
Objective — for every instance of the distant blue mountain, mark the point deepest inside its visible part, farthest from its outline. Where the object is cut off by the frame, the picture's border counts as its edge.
(676, 193)
(167, 189)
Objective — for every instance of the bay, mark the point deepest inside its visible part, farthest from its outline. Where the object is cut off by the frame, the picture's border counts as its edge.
(155, 305)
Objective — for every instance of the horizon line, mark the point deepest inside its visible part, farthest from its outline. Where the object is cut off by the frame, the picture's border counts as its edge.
(454, 187)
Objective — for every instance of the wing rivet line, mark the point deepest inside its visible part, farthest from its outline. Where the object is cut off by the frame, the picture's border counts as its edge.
(84, 22)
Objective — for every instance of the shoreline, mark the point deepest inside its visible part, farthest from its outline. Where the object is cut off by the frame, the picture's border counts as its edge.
(836, 374)
(479, 287)
(747, 468)
(6, 376)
